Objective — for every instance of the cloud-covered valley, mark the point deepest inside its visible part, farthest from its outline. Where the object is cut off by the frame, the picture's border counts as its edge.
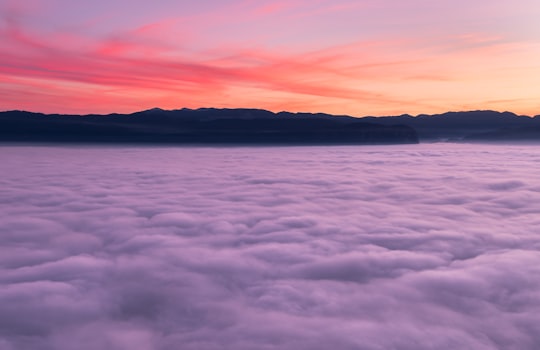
(375, 247)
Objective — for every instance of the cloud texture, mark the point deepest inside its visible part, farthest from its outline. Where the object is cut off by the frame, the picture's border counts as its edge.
(409, 247)
(356, 57)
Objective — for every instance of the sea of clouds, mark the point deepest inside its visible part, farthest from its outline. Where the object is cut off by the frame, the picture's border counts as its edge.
(431, 246)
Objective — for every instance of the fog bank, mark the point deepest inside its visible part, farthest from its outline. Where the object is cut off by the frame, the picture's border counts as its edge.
(406, 247)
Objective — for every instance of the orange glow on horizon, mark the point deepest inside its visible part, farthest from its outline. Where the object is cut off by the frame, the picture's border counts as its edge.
(126, 70)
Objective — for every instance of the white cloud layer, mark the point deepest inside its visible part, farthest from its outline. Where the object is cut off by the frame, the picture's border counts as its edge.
(389, 247)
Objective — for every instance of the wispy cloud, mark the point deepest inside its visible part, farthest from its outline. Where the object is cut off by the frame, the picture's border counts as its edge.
(352, 57)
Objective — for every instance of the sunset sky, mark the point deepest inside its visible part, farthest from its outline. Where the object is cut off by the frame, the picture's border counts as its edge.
(361, 57)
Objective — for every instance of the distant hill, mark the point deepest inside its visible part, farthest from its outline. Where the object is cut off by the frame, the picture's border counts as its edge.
(255, 126)
(468, 126)
(510, 134)
(201, 126)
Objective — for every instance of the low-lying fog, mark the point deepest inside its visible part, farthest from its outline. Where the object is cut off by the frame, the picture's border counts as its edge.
(379, 247)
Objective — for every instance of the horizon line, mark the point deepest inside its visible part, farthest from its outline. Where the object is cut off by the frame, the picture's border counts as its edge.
(158, 109)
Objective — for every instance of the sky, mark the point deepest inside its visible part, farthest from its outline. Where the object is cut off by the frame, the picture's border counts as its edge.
(409, 247)
(361, 57)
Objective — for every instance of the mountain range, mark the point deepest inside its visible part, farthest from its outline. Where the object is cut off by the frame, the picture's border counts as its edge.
(255, 126)
(469, 126)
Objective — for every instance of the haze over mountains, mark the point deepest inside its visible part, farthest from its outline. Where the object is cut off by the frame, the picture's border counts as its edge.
(255, 126)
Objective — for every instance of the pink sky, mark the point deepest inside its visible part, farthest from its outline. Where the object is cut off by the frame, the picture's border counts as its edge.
(341, 56)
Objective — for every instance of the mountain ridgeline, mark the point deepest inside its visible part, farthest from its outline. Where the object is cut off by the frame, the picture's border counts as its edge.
(472, 126)
(254, 126)
(201, 126)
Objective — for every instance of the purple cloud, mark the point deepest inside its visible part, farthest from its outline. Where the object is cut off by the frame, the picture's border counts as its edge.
(406, 247)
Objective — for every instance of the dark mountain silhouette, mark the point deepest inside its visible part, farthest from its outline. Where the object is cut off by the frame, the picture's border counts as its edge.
(510, 134)
(468, 126)
(255, 126)
(206, 125)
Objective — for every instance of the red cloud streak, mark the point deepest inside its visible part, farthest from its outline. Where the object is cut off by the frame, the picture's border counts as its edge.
(163, 63)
